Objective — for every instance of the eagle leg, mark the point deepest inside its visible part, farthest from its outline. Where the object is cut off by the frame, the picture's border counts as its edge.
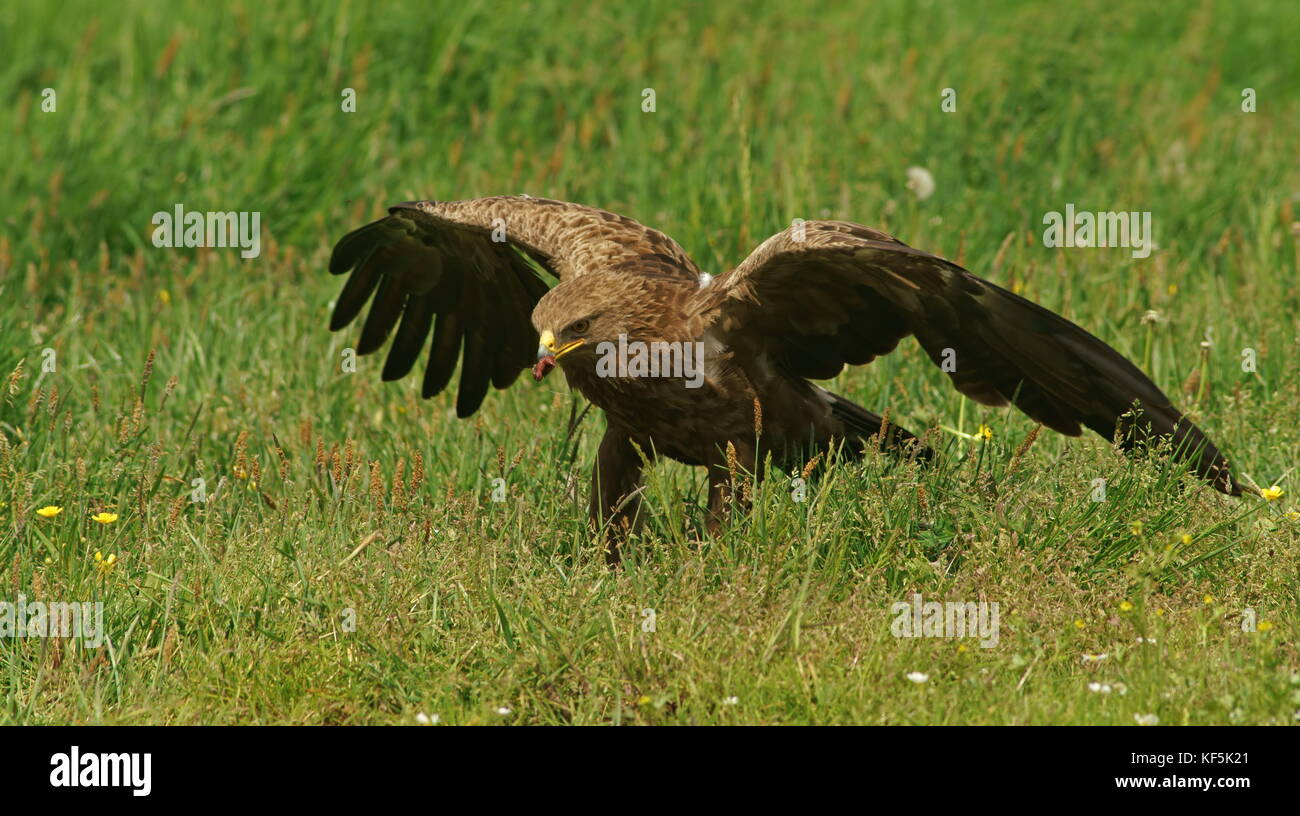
(616, 490)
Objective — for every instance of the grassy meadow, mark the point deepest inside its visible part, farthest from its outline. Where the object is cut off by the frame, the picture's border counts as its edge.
(350, 563)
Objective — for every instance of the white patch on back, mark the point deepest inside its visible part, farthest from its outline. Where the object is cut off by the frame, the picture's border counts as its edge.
(714, 350)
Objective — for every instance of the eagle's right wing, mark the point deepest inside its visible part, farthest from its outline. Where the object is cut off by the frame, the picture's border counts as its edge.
(462, 262)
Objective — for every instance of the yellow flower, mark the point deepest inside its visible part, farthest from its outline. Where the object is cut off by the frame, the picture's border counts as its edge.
(643, 700)
(961, 647)
(48, 560)
(1160, 613)
(1173, 289)
(1209, 599)
(105, 565)
(984, 432)
(1293, 515)
(50, 511)
(1186, 539)
(1125, 606)
(1137, 528)
(164, 296)
(1078, 623)
(240, 473)
(1263, 626)
(1272, 493)
(104, 518)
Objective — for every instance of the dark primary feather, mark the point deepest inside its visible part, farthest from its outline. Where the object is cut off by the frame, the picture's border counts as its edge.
(417, 272)
(845, 294)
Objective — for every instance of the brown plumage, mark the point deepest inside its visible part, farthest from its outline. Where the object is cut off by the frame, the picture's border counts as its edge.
(807, 302)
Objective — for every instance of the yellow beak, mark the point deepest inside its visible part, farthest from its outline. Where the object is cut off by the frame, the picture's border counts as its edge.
(548, 347)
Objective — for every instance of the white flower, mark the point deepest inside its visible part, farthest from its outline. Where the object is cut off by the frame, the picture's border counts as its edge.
(917, 677)
(1146, 640)
(504, 711)
(1095, 658)
(427, 719)
(1146, 719)
(920, 182)
(730, 700)
(1101, 688)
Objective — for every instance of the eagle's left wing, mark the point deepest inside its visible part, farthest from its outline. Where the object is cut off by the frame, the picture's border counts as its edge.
(823, 294)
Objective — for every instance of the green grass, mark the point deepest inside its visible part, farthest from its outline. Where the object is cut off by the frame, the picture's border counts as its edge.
(235, 610)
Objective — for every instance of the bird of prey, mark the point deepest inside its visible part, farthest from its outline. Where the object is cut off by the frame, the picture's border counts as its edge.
(807, 302)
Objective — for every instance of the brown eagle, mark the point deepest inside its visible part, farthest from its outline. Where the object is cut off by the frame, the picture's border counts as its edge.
(682, 363)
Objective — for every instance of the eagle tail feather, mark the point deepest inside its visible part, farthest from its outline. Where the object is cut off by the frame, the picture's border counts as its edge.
(862, 428)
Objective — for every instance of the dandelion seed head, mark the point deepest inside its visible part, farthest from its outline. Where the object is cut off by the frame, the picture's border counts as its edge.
(920, 182)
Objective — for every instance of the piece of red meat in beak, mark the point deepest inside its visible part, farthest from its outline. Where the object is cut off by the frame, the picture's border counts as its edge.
(543, 367)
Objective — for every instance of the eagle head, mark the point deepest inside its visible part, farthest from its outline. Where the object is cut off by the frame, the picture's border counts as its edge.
(579, 314)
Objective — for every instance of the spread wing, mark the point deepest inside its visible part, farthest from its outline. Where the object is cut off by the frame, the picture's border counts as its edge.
(827, 293)
(461, 270)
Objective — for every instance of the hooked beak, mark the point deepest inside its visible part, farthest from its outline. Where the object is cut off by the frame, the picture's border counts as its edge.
(548, 346)
(548, 353)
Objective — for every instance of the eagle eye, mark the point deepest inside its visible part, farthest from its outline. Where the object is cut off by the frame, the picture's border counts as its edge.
(579, 326)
